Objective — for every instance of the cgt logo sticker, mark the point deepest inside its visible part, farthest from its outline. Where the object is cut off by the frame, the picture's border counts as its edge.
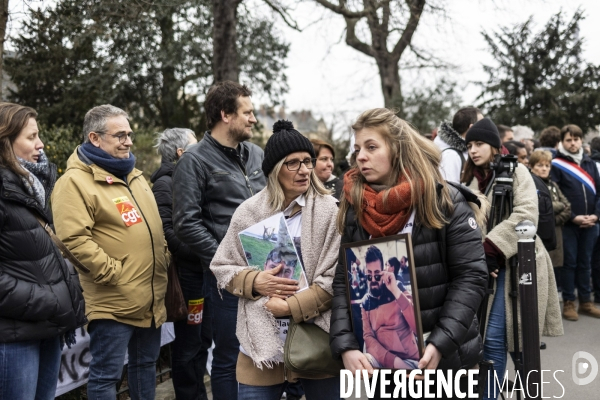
(195, 308)
(580, 368)
(129, 214)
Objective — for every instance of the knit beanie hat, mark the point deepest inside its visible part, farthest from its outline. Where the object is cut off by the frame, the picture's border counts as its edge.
(484, 131)
(284, 141)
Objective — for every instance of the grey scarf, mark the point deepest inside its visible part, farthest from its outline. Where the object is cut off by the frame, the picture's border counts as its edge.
(39, 183)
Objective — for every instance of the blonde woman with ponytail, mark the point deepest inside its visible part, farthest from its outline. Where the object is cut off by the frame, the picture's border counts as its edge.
(396, 187)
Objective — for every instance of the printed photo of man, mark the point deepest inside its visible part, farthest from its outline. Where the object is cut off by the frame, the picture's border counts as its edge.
(282, 256)
(388, 317)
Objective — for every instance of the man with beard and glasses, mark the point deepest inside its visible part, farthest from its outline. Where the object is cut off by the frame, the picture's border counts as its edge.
(210, 181)
(388, 318)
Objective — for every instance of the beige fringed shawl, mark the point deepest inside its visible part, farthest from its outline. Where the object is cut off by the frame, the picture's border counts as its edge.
(257, 330)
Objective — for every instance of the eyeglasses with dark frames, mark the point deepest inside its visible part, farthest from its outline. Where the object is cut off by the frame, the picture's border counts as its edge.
(377, 277)
(295, 165)
(121, 136)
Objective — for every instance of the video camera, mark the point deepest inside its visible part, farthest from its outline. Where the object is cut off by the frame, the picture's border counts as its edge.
(503, 167)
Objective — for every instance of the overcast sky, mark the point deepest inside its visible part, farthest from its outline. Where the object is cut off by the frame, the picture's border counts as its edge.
(337, 82)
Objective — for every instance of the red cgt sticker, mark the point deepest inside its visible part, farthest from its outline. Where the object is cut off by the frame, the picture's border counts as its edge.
(129, 214)
(195, 308)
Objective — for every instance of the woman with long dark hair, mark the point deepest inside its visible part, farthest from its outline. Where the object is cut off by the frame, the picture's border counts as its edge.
(40, 300)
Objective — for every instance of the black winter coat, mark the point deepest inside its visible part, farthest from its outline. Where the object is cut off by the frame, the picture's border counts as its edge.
(451, 278)
(209, 183)
(163, 193)
(39, 296)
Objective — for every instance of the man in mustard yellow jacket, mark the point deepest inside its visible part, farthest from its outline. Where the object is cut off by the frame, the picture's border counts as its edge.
(105, 213)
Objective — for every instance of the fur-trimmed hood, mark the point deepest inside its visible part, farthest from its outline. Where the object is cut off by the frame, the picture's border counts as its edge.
(452, 138)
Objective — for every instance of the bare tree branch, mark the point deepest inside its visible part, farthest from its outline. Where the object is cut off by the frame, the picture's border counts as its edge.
(385, 20)
(416, 8)
(283, 13)
(341, 9)
(353, 41)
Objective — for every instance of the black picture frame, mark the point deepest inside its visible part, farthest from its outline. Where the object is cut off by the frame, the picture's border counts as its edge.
(390, 338)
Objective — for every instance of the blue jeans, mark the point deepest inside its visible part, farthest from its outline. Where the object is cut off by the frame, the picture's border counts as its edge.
(190, 348)
(314, 389)
(29, 369)
(495, 345)
(109, 341)
(578, 244)
(596, 271)
(227, 347)
(558, 277)
(294, 390)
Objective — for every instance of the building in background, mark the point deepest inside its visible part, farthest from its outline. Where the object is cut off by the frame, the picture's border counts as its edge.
(303, 121)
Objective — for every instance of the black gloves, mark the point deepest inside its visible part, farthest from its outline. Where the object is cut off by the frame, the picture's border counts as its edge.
(492, 263)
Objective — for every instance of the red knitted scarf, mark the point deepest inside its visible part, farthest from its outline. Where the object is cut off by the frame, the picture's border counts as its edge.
(381, 219)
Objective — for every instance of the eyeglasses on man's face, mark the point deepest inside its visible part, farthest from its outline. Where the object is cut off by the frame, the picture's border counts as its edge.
(121, 136)
(377, 277)
(295, 165)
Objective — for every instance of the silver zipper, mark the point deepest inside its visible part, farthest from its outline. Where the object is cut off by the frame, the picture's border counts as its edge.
(584, 197)
(247, 180)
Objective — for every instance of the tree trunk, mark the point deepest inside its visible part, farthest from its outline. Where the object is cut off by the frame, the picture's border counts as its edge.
(381, 23)
(3, 21)
(389, 72)
(225, 55)
(169, 89)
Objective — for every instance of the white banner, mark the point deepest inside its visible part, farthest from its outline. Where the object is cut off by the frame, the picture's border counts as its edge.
(75, 362)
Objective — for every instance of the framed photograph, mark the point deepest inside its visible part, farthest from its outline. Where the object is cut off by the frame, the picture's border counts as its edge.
(268, 244)
(384, 301)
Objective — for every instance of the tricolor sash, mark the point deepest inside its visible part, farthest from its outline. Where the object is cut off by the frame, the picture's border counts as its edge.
(576, 172)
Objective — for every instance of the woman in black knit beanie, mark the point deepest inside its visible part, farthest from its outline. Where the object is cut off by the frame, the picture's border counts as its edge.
(268, 302)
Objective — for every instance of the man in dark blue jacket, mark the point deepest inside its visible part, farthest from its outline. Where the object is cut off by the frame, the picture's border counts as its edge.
(577, 176)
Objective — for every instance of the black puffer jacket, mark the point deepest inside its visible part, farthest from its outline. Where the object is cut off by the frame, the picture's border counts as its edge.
(163, 193)
(38, 296)
(451, 278)
(210, 181)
